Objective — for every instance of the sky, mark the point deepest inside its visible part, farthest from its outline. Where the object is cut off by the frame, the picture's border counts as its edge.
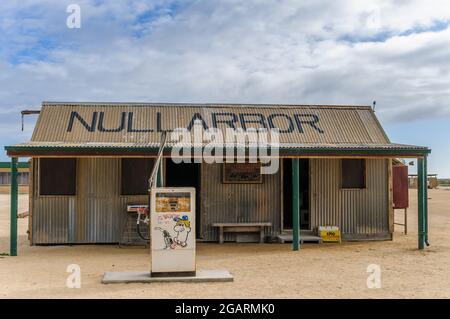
(207, 51)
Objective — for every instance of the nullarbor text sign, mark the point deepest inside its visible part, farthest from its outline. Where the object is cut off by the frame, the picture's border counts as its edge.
(173, 231)
(128, 122)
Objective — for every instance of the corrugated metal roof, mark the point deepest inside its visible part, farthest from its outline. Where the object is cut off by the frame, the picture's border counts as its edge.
(118, 123)
(63, 126)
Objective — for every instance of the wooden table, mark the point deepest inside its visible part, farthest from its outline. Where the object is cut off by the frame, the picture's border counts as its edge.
(241, 228)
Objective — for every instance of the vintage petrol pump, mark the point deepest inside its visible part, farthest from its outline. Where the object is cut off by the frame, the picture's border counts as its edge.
(172, 226)
(172, 220)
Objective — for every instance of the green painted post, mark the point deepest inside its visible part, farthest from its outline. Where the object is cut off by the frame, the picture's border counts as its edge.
(14, 200)
(425, 198)
(295, 204)
(421, 182)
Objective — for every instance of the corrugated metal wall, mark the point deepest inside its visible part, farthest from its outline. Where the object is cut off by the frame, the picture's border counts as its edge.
(98, 212)
(360, 213)
(233, 203)
(95, 215)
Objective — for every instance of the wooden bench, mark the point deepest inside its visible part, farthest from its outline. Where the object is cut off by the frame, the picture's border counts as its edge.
(241, 228)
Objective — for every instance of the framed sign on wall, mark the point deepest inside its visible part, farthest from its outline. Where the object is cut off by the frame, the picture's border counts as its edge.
(245, 173)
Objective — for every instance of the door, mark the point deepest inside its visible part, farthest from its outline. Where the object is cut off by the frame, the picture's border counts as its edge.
(185, 175)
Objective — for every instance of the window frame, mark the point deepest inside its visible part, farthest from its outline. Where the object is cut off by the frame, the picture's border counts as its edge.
(39, 177)
(121, 192)
(364, 175)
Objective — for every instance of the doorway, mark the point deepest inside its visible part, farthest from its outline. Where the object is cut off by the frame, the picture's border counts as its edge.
(305, 218)
(186, 175)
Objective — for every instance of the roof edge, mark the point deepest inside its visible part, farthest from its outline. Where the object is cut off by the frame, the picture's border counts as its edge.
(190, 104)
(28, 151)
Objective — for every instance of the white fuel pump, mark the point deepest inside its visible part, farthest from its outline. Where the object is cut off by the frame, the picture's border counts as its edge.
(173, 237)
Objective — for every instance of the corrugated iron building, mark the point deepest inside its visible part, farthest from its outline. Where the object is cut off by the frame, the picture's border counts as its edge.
(99, 136)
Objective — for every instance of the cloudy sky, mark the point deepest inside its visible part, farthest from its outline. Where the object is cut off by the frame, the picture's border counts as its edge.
(274, 51)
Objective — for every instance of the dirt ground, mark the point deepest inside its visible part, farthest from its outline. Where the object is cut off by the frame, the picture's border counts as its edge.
(266, 271)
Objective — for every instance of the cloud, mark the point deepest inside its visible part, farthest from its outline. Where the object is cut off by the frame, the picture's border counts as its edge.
(337, 52)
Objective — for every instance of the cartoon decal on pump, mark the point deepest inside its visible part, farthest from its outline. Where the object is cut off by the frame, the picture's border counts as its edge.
(168, 240)
(182, 228)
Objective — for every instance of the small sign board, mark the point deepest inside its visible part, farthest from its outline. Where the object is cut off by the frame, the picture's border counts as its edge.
(173, 202)
(246, 173)
(330, 234)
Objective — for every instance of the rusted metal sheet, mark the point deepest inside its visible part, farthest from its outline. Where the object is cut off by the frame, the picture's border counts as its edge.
(360, 213)
(400, 186)
(238, 203)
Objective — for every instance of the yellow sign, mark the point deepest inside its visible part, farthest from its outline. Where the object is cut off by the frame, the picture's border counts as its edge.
(330, 234)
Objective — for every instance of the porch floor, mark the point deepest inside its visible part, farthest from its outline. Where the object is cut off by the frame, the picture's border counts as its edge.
(306, 236)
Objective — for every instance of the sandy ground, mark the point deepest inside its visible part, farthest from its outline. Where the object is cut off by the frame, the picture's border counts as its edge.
(267, 271)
